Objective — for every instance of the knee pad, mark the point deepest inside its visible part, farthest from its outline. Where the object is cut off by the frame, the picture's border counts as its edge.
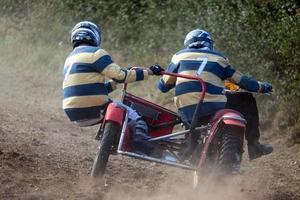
(141, 126)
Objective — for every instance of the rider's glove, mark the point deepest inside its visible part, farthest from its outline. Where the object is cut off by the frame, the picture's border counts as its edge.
(266, 87)
(156, 69)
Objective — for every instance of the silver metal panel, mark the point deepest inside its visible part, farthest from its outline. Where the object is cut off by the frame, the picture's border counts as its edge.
(144, 157)
(123, 131)
(176, 134)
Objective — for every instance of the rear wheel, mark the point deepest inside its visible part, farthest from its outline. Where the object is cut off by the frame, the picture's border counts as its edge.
(110, 135)
(231, 150)
(224, 155)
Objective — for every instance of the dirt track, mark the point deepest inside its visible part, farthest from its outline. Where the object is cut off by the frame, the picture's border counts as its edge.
(43, 156)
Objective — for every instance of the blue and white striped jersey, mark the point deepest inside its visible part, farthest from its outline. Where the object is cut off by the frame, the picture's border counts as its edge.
(214, 69)
(85, 88)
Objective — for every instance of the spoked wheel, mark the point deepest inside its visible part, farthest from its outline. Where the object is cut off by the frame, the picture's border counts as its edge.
(110, 135)
(231, 150)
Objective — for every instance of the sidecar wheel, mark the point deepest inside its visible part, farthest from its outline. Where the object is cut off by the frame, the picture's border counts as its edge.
(110, 135)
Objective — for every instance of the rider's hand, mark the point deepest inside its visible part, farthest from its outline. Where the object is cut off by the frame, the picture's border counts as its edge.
(156, 69)
(266, 87)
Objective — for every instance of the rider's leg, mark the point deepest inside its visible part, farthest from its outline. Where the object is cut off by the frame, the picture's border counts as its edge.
(140, 139)
(140, 134)
(245, 103)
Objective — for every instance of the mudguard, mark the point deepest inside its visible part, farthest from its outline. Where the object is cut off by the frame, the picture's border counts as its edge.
(222, 117)
(114, 113)
(230, 117)
(234, 119)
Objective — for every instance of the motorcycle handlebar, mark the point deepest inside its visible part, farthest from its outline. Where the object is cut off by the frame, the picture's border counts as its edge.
(191, 77)
(227, 91)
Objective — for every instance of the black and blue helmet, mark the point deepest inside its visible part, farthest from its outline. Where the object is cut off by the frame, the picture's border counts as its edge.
(86, 32)
(198, 39)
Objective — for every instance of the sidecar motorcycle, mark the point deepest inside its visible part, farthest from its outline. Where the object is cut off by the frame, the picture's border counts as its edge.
(217, 144)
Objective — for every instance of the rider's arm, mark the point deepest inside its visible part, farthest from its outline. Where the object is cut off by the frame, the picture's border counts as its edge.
(240, 79)
(110, 86)
(167, 82)
(106, 66)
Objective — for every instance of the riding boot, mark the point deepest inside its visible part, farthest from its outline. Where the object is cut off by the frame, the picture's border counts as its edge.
(256, 150)
(141, 143)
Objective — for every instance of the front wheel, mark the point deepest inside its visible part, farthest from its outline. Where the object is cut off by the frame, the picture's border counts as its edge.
(110, 135)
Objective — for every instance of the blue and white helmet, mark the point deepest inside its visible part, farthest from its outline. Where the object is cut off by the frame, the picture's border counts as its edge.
(198, 39)
(86, 32)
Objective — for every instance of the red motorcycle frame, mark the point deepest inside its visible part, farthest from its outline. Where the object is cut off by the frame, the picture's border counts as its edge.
(161, 122)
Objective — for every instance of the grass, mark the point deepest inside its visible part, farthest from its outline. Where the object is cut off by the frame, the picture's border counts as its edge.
(41, 55)
(43, 60)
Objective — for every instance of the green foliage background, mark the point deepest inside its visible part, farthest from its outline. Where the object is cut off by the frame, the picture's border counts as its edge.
(260, 37)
